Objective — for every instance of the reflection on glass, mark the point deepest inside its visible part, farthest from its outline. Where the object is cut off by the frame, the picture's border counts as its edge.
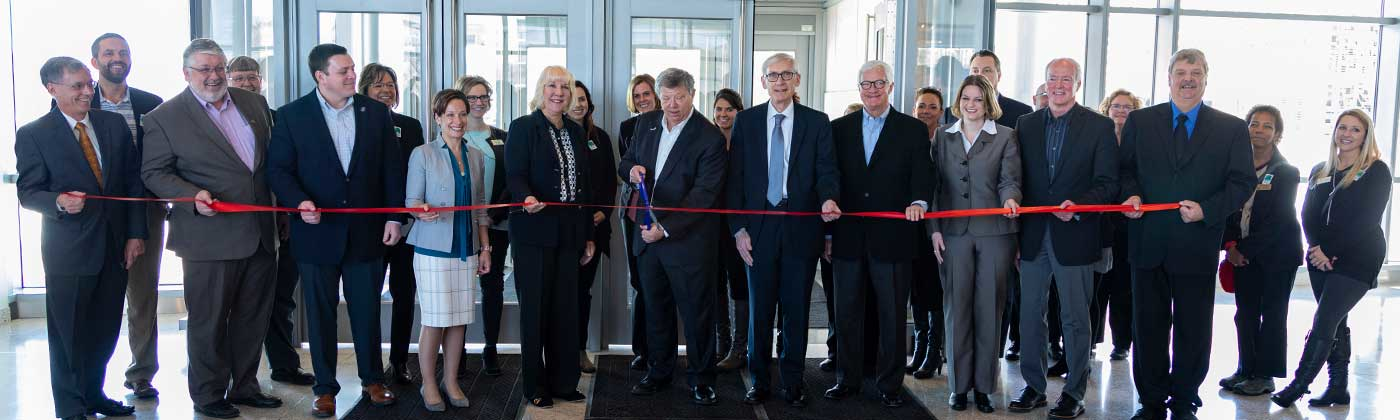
(949, 33)
(698, 46)
(1132, 42)
(510, 52)
(245, 27)
(1027, 40)
(391, 39)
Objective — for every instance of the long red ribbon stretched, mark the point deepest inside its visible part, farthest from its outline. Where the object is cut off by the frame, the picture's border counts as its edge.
(229, 207)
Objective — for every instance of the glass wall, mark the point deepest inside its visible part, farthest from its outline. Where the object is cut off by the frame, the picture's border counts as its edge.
(856, 31)
(1026, 40)
(949, 32)
(391, 39)
(510, 52)
(248, 27)
(698, 46)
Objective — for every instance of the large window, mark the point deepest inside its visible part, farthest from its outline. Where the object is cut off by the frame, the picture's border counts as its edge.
(949, 32)
(390, 39)
(698, 46)
(248, 27)
(510, 52)
(1027, 40)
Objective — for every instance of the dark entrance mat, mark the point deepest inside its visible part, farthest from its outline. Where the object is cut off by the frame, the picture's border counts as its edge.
(866, 406)
(612, 398)
(492, 397)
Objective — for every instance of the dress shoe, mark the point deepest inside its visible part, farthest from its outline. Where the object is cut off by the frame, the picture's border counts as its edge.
(397, 373)
(1067, 408)
(639, 363)
(840, 392)
(1150, 413)
(585, 364)
(433, 407)
(456, 402)
(891, 400)
(1013, 353)
(573, 396)
(489, 365)
(324, 406)
(293, 376)
(75, 417)
(258, 400)
(983, 401)
(755, 396)
(796, 397)
(703, 395)
(1118, 354)
(649, 386)
(1057, 370)
(1230, 382)
(1182, 413)
(220, 409)
(735, 360)
(958, 402)
(542, 402)
(379, 395)
(141, 389)
(1029, 400)
(111, 408)
(827, 365)
(1255, 386)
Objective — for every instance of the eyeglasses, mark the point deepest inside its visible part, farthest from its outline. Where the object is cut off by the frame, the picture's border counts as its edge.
(1121, 107)
(877, 84)
(78, 85)
(208, 70)
(481, 99)
(774, 76)
(242, 79)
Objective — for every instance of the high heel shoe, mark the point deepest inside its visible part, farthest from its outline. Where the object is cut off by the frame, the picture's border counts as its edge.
(436, 408)
(463, 402)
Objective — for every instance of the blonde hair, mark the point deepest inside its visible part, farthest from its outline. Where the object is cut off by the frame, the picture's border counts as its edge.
(989, 96)
(632, 87)
(1108, 100)
(552, 73)
(1370, 152)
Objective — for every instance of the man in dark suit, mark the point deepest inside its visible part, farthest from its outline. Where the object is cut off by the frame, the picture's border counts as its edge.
(1188, 153)
(87, 246)
(883, 157)
(1068, 157)
(681, 155)
(210, 142)
(985, 63)
(335, 148)
(780, 158)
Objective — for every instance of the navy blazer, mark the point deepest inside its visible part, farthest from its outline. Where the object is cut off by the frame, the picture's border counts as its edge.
(1275, 238)
(1087, 173)
(532, 169)
(51, 162)
(1011, 110)
(1216, 170)
(302, 165)
(900, 172)
(693, 177)
(813, 176)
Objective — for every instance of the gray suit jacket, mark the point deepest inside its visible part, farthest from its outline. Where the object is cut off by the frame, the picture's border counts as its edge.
(983, 177)
(185, 153)
(430, 180)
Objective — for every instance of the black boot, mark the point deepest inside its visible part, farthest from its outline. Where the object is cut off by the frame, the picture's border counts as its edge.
(1337, 362)
(920, 351)
(1315, 351)
(932, 364)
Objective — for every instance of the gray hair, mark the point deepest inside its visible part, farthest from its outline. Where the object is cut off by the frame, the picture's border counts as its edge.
(1071, 61)
(1190, 56)
(775, 58)
(673, 77)
(874, 64)
(54, 69)
(202, 46)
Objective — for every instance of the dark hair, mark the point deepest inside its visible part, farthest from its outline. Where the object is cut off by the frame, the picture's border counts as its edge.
(371, 74)
(588, 126)
(986, 53)
(320, 57)
(445, 97)
(729, 95)
(1272, 111)
(54, 69)
(243, 63)
(96, 43)
(931, 91)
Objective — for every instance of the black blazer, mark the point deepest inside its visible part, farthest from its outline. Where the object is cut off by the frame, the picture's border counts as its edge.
(1011, 111)
(625, 131)
(1275, 238)
(1216, 171)
(532, 169)
(51, 162)
(302, 165)
(900, 172)
(408, 134)
(1354, 235)
(1087, 173)
(603, 188)
(692, 178)
(500, 194)
(813, 176)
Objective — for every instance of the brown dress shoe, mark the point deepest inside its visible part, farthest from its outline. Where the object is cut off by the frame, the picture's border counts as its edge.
(380, 395)
(324, 406)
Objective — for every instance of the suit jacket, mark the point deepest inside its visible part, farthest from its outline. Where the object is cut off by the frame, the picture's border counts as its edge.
(432, 174)
(1011, 110)
(532, 169)
(982, 177)
(50, 162)
(899, 173)
(302, 165)
(603, 188)
(1216, 171)
(408, 133)
(1086, 173)
(1275, 238)
(813, 176)
(693, 177)
(185, 153)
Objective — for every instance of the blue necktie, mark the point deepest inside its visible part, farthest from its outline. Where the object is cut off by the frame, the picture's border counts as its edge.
(777, 162)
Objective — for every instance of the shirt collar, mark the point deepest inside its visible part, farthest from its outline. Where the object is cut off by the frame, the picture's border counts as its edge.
(867, 117)
(72, 123)
(679, 126)
(228, 99)
(1190, 115)
(126, 97)
(988, 126)
(787, 113)
(326, 106)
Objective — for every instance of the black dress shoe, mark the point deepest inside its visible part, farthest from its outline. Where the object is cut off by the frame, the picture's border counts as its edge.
(397, 373)
(1057, 370)
(649, 386)
(141, 389)
(220, 409)
(756, 396)
(111, 408)
(796, 397)
(1118, 354)
(1029, 400)
(703, 395)
(891, 400)
(293, 376)
(1067, 408)
(1013, 353)
(257, 401)
(958, 402)
(489, 365)
(827, 365)
(1150, 413)
(639, 363)
(1183, 413)
(840, 392)
(984, 402)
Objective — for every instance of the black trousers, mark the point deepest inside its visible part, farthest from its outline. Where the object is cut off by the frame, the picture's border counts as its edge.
(321, 286)
(229, 304)
(1261, 319)
(546, 280)
(778, 278)
(926, 298)
(587, 274)
(84, 318)
(1172, 315)
(403, 287)
(493, 286)
(639, 308)
(889, 282)
(1336, 294)
(684, 285)
(280, 343)
(1113, 302)
(1010, 330)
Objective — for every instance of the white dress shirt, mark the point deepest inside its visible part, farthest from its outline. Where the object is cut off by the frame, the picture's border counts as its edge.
(668, 141)
(988, 126)
(341, 123)
(92, 135)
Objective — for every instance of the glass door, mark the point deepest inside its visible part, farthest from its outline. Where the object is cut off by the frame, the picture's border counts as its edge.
(393, 33)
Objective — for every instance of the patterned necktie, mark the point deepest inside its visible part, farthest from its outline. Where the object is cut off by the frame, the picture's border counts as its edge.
(776, 162)
(89, 153)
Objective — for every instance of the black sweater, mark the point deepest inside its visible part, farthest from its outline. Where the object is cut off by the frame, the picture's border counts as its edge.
(1353, 236)
(1275, 241)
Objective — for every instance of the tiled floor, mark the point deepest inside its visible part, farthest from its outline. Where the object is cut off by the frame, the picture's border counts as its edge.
(25, 394)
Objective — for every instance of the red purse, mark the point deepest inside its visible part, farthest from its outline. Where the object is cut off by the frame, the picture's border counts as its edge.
(1227, 276)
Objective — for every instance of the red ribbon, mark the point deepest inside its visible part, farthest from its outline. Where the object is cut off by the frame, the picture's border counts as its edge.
(230, 207)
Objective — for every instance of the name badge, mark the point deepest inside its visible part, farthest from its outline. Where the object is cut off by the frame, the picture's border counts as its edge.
(592, 146)
(1268, 179)
(497, 142)
(1323, 180)
(398, 132)
(1265, 187)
